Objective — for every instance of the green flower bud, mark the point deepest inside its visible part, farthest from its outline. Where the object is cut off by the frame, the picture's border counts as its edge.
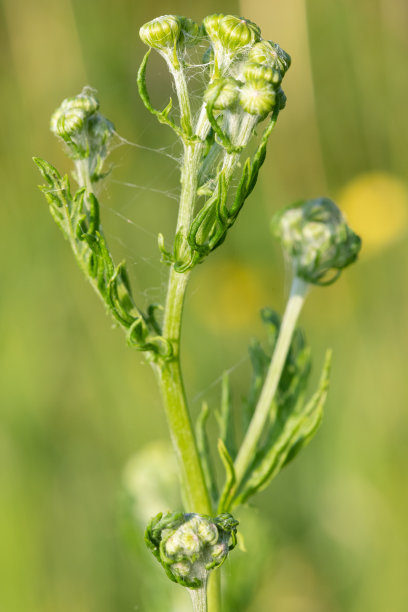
(85, 101)
(208, 56)
(163, 32)
(211, 26)
(191, 31)
(254, 72)
(281, 98)
(70, 116)
(257, 97)
(84, 130)
(66, 124)
(222, 93)
(236, 32)
(189, 545)
(270, 54)
(317, 238)
(100, 130)
(283, 59)
(233, 33)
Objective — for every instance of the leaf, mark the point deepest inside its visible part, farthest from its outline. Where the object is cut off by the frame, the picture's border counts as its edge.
(315, 409)
(224, 417)
(162, 116)
(227, 492)
(203, 448)
(288, 436)
(78, 218)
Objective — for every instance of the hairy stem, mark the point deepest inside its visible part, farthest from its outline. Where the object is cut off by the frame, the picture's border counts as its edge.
(196, 495)
(195, 492)
(199, 599)
(174, 398)
(248, 448)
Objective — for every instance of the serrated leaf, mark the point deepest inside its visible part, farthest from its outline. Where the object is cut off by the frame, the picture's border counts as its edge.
(230, 478)
(224, 417)
(288, 436)
(78, 218)
(203, 448)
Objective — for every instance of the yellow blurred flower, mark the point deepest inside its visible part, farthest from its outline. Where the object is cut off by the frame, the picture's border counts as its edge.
(230, 296)
(376, 207)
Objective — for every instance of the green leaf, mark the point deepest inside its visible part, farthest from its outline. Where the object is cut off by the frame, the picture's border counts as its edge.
(230, 480)
(315, 409)
(289, 434)
(224, 417)
(79, 220)
(162, 116)
(203, 448)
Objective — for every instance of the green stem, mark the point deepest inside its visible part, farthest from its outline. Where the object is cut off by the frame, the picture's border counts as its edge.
(180, 83)
(196, 495)
(199, 599)
(174, 398)
(262, 411)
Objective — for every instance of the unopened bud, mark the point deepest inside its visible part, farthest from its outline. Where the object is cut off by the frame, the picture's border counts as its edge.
(162, 32)
(236, 32)
(85, 131)
(257, 97)
(233, 33)
(317, 238)
(191, 32)
(254, 72)
(189, 545)
(270, 54)
(222, 93)
(211, 25)
(67, 123)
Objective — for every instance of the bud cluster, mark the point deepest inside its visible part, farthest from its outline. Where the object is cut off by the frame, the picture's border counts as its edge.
(256, 65)
(190, 545)
(316, 237)
(86, 132)
(243, 75)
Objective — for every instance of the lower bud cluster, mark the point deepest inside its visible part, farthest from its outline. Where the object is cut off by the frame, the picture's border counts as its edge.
(190, 545)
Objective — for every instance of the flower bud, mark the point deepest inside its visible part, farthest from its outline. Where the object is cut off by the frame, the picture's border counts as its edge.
(191, 32)
(211, 25)
(281, 98)
(317, 238)
(66, 124)
(70, 116)
(233, 33)
(236, 32)
(270, 54)
(100, 130)
(208, 56)
(85, 101)
(161, 33)
(190, 545)
(254, 72)
(84, 130)
(257, 97)
(283, 59)
(222, 93)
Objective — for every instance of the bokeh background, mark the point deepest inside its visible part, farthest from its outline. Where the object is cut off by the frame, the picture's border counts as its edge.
(331, 532)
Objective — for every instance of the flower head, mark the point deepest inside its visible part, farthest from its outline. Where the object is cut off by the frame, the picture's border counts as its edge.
(190, 545)
(317, 239)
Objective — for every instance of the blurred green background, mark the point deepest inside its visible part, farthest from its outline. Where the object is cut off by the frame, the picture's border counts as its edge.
(76, 403)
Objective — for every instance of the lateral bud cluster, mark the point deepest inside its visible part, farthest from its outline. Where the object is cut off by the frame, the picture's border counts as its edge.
(315, 236)
(189, 546)
(87, 133)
